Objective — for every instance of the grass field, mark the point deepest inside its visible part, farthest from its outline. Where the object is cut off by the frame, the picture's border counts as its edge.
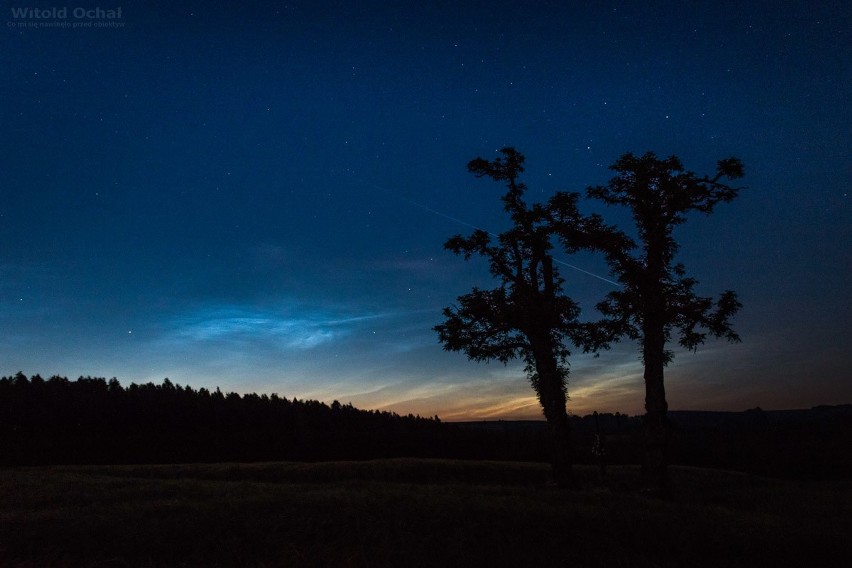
(412, 513)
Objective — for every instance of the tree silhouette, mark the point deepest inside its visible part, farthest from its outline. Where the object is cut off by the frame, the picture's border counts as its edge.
(527, 316)
(657, 297)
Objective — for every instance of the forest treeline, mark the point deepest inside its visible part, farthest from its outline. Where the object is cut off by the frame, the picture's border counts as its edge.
(94, 420)
(99, 421)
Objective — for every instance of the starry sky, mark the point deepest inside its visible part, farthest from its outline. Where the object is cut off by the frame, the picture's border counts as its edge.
(255, 197)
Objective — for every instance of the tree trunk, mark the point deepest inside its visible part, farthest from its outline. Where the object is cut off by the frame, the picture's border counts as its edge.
(656, 427)
(560, 450)
(553, 399)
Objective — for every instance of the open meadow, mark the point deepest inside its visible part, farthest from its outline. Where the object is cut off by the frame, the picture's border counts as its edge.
(406, 512)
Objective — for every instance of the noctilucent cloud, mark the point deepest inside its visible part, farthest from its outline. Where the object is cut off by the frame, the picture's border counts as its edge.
(256, 198)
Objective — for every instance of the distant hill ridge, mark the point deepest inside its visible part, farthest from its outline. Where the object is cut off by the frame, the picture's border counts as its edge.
(683, 418)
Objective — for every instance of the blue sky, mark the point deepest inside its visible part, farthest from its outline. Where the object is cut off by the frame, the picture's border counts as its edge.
(256, 197)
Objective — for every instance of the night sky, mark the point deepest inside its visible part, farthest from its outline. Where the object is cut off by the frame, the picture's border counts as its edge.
(256, 198)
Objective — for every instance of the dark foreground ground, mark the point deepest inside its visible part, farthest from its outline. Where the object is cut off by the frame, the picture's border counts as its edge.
(412, 513)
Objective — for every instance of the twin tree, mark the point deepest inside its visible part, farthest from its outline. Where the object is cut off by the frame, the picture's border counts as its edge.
(528, 316)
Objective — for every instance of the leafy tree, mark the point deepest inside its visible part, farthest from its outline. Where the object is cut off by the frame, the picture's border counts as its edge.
(527, 316)
(657, 298)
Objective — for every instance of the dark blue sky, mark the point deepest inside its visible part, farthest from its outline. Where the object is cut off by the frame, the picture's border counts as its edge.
(256, 197)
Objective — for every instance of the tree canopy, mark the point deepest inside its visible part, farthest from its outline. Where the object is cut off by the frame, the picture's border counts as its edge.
(660, 194)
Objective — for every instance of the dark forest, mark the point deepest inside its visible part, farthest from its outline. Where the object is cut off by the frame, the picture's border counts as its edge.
(98, 421)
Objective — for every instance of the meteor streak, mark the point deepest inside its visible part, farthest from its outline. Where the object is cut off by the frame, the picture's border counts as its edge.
(466, 224)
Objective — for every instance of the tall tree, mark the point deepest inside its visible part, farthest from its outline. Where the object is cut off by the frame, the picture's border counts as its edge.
(527, 316)
(657, 298)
